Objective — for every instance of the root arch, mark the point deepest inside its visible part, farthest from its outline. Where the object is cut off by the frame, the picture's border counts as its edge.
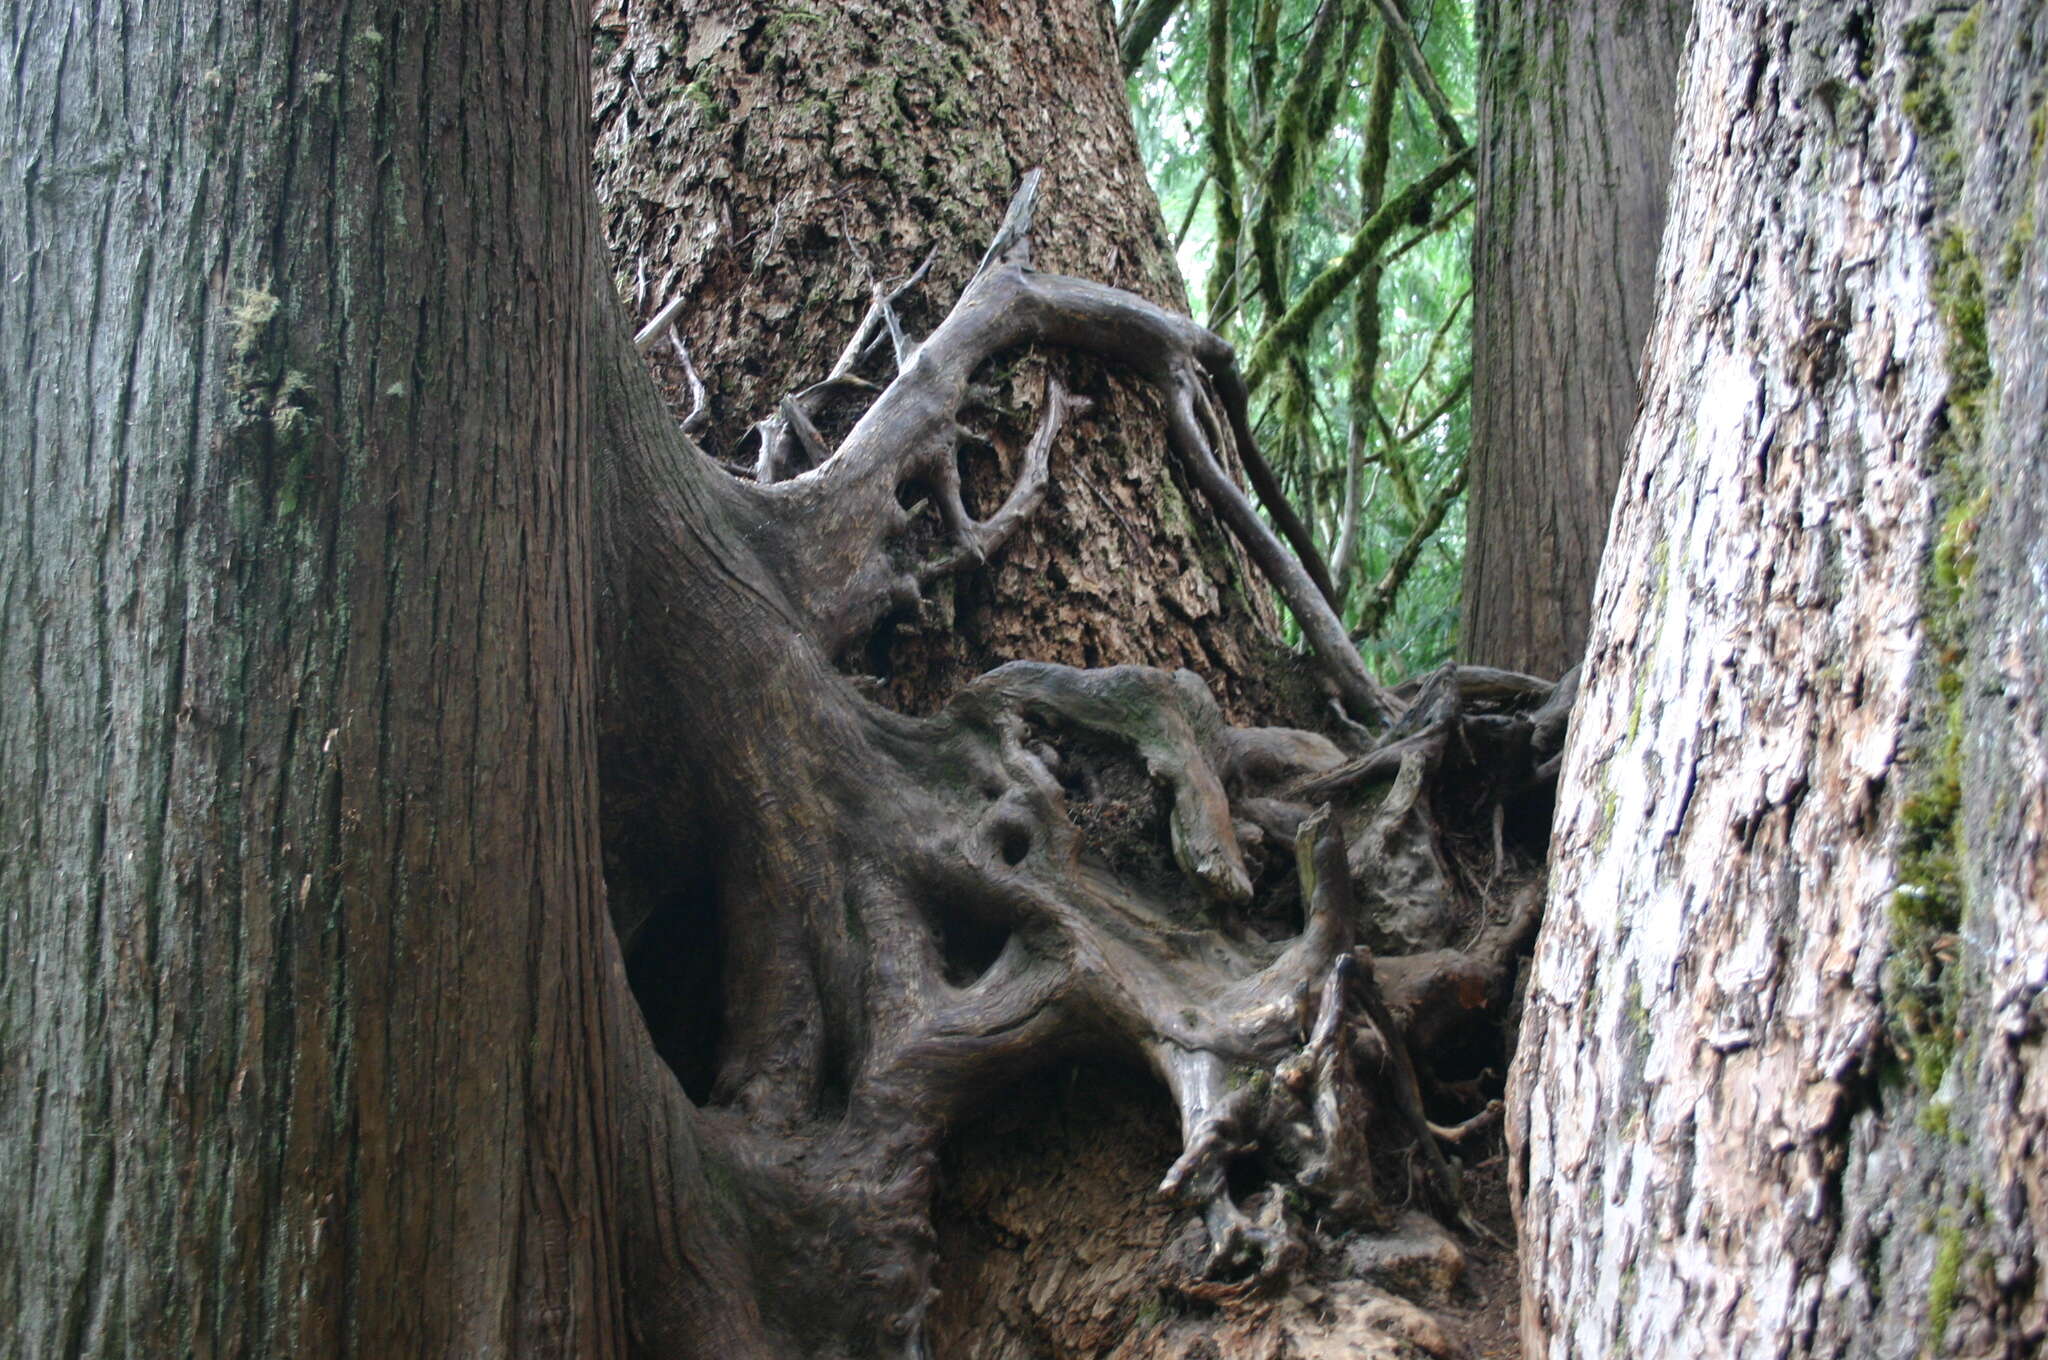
(915, 912)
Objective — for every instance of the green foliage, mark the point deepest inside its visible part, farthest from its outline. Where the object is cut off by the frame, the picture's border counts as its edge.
(1360, 398)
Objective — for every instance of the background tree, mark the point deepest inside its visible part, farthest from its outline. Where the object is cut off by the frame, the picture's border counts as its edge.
(1575, 109)
(1781, 1084)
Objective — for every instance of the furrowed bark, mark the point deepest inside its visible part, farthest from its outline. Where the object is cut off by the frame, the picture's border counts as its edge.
(1783, 1042)
(1571, 96)
(305, 1003)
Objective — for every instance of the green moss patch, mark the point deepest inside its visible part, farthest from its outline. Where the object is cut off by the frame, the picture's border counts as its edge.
(1924, 988)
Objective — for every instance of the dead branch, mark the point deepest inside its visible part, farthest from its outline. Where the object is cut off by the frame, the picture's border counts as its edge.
(1381, 602)
(652, 332)
(1424, 78)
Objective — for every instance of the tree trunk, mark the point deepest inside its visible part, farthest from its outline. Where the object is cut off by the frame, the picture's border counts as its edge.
(307, 987)
(1575, 115)
(361, 560)
(771, 167)
(914, 913)
(1781, 1087)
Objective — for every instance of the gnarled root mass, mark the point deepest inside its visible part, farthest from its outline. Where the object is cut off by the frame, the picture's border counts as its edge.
(910, 913)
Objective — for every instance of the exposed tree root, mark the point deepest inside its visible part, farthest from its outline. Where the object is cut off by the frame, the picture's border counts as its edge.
(915, 912)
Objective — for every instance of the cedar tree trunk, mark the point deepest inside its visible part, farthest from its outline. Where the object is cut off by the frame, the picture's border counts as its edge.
(1575, 114)
(1783, 1087)
(305, 1001)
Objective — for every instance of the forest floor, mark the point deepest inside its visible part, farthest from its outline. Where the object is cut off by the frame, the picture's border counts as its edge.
(1055, 1243)
(1486, 1317)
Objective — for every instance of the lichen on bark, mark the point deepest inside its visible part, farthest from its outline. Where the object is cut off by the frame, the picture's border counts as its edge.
(1835, 917)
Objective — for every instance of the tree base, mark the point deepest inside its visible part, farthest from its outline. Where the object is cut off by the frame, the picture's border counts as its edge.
(911, 915)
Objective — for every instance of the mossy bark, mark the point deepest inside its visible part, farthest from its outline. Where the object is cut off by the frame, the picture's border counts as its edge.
(1782, 1066)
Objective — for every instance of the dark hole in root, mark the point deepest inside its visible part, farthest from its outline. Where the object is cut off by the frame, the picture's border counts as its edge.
(968, 945)
(911, 492)
(1013, 843)
(1245, 1176)
(1464, 1066)
(1121, 814)
(876, 650)
(1527, 823)
(674, 972)
(981, 477)
(1275, 912)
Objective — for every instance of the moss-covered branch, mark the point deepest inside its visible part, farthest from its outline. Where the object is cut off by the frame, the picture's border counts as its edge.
(1222, 162)
(1330, 283)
